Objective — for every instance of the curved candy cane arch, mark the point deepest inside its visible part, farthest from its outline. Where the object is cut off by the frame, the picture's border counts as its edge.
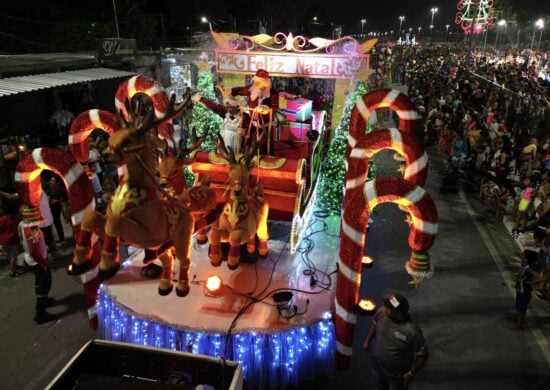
(79, 188)
(416, 160)
(381, 98)
(142, 84)
(360, 197)
(83, 126)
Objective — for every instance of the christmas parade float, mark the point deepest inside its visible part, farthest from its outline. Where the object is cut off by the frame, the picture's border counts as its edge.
(259, 278)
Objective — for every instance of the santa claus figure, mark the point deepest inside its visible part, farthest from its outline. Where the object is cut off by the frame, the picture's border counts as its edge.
(263, 102)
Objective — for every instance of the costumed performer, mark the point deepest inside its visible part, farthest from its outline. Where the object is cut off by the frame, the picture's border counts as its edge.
(36, 257)
(232, 119)
(261, 98)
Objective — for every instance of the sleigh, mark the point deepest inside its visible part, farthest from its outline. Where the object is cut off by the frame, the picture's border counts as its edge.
(289, 177)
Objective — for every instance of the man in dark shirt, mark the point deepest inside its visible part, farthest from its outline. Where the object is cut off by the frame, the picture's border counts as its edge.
(397, 346)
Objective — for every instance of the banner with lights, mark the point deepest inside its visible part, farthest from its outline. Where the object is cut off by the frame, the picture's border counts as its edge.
(291, 56)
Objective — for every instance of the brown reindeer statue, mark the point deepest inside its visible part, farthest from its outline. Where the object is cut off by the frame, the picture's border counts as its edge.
(141, 213)
(244, 215)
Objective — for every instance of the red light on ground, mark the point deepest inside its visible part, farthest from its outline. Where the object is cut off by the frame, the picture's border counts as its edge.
(213, 284)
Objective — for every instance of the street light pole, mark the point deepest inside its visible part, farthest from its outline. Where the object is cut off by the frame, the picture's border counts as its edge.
(363, 21)
(541, 27)
(401, 18)
(116, 20)
(447, 36)
(540, 24)
(204, 19)
(500, 23)
(433, 11)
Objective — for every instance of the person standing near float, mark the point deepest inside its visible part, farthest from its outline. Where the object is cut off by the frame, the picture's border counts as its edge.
(231, 119)
(396, 344)
(36, 257)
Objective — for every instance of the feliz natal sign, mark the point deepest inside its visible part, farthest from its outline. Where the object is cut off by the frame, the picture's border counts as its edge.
(291, 56)
(333, 66)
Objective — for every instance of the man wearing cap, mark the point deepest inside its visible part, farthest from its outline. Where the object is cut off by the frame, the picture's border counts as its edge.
(397, 346)
(232, 119)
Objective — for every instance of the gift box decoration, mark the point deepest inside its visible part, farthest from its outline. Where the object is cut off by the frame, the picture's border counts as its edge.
(294, 108)
(292, 131)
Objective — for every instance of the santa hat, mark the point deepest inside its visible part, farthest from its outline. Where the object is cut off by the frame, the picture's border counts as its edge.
(262, 73)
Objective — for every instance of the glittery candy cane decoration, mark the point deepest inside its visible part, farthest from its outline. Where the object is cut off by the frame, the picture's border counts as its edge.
(142, 84)
(83, 126)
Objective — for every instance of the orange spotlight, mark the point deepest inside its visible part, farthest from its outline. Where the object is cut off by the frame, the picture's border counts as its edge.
(367, 306)
(213, 285)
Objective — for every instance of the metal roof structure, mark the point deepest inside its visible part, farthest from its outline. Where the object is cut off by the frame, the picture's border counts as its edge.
(16, 85)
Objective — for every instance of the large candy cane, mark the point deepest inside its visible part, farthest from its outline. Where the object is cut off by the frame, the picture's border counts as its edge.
(142, 84)
(357, 203)
(416, 160)
(79, 188)
(381, 98)
(83, 126)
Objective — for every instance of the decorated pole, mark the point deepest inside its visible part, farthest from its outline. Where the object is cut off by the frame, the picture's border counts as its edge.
(360, 197)
(81, 198)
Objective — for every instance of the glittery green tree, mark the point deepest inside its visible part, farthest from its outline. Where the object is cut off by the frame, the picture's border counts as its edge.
(203, 119)
(333, 169)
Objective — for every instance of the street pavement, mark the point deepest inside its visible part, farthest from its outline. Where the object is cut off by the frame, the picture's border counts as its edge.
(463, 310)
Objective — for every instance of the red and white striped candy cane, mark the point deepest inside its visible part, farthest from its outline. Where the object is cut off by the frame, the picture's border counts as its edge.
(357, 203)
(83, 126)
(79, 188)
(416, 160)
(142, 84)
(381, 98)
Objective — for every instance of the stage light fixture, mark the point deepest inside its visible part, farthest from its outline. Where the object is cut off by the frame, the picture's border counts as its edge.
(367, 261)
(366, 306)
(213, 286)
(283, 300)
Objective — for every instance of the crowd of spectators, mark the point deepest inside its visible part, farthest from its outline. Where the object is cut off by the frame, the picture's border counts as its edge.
(489, 116)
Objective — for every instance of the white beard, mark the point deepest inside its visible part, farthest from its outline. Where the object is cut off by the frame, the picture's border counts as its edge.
(256, 93)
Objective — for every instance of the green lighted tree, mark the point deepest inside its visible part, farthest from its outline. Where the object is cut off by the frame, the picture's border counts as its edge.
(203, 119)
(333, 170)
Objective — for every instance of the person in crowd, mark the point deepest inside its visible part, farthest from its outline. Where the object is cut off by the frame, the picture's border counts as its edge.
(528, 273)
(522, 215)
(9, 237)
(36, 257)
(62, 118)
(396, 345)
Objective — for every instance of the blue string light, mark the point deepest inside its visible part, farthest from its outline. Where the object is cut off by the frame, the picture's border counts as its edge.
(267, 359)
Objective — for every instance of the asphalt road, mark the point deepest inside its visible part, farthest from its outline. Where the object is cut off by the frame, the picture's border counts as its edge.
(463, 309)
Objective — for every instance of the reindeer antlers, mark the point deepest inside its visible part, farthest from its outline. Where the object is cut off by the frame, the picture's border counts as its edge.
(227, 152)
(195, 143)
(143, 121)
(250, 152)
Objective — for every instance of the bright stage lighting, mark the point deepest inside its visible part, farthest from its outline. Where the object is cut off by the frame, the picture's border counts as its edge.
(213, 286)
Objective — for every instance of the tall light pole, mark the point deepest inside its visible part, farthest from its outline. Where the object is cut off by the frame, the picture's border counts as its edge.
(433, 11)
(116, 20)
(204, 19)
(500, 23)
(540, 25)
(363, 21)
(401, 18)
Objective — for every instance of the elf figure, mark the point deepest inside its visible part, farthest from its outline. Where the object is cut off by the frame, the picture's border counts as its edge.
(36, 257)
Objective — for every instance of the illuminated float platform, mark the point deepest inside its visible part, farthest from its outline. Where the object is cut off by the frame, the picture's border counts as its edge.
(273, 351)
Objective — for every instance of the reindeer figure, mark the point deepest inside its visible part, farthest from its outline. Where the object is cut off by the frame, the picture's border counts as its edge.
(245, 213)
(137, 214)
